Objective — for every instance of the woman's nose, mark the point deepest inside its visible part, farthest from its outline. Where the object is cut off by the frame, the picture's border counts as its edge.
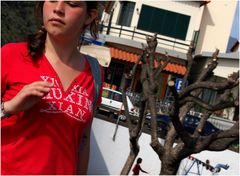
(59, 8)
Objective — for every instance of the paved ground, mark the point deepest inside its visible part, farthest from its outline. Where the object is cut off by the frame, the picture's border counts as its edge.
(104, 116)
(108, 155)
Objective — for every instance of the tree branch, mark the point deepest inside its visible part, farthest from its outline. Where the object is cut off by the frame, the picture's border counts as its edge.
(199, 129)
(149, 86)
(183, 134)
(125, 103)
(189, 64)
(208, 85)
(188, 106)
(161, 66)
(218, 141)
(198, 101)
(141, 120)
(123, 88)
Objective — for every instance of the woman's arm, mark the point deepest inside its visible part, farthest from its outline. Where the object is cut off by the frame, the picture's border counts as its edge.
(83, 157)
(28, 96)
(143, 170)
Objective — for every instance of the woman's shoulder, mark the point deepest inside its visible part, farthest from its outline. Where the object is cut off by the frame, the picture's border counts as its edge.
(20, 46)
(14, 52)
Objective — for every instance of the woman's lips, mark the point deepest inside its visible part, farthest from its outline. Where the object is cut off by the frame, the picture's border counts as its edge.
(56, 20)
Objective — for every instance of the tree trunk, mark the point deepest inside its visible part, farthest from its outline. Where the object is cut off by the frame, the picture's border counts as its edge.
(128, 164)
(169, 167)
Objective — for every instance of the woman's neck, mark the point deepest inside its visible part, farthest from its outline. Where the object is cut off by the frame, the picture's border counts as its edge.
(62, 50)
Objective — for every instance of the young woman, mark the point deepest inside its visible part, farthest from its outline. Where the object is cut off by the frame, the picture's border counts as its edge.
(47, 91)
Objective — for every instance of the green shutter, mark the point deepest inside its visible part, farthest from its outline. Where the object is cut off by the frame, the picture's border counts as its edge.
(182, 26)
(163, 22)
(144, 22)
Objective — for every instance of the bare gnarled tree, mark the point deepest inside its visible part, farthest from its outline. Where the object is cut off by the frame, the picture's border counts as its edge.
(185, 100)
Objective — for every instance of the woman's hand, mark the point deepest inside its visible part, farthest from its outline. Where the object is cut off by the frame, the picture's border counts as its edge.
(27, 97)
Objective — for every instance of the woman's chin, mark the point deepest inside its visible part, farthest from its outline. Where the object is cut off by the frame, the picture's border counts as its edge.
(56, 33)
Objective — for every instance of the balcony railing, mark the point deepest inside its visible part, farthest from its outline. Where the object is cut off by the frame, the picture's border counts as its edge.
(132, 33)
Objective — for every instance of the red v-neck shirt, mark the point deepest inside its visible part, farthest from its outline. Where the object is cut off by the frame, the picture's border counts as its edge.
(44, 139)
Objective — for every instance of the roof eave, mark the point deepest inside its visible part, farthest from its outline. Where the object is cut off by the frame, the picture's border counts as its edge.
(232, 55)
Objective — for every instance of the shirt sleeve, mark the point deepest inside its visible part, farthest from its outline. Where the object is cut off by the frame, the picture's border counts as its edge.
(5, 65)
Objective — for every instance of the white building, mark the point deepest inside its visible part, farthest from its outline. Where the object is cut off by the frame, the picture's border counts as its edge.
(207, 24)
(176, 22)
(125, 25)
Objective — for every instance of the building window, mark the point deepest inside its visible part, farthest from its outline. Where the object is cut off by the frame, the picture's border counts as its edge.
(126, 13)
(163, 22)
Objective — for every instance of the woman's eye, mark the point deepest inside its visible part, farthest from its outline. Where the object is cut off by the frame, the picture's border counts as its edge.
(74, 3)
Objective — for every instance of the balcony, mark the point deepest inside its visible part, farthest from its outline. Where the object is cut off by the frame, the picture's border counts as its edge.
(133, 34)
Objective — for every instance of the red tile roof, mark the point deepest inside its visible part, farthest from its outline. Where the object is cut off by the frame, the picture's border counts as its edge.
(130, 57)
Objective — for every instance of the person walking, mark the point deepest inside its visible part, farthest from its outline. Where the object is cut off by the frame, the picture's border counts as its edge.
(47, 94)
(137, 168)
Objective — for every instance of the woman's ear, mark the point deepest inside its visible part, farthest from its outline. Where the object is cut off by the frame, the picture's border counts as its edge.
(91, 16)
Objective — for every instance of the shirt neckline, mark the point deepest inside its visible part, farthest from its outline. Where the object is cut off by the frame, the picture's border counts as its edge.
(55, 74)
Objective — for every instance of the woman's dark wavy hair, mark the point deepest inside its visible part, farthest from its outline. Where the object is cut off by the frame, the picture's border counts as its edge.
(36, 41)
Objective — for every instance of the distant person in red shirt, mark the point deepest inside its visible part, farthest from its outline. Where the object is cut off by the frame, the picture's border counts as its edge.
(137, 168)
(47, 94)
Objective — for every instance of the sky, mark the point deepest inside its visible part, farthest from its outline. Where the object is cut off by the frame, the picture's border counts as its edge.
(235, 26)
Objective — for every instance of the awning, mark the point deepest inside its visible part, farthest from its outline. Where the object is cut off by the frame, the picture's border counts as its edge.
(123, 55)
(101, 53)
(130, 57)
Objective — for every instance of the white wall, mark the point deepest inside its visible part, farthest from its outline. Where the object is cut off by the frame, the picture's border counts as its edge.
(191, 9)
(216, 26)
(108, 157)
(226, 67)
(214, 21)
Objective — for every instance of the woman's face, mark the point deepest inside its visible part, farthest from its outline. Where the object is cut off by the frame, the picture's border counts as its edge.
(66, 19)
